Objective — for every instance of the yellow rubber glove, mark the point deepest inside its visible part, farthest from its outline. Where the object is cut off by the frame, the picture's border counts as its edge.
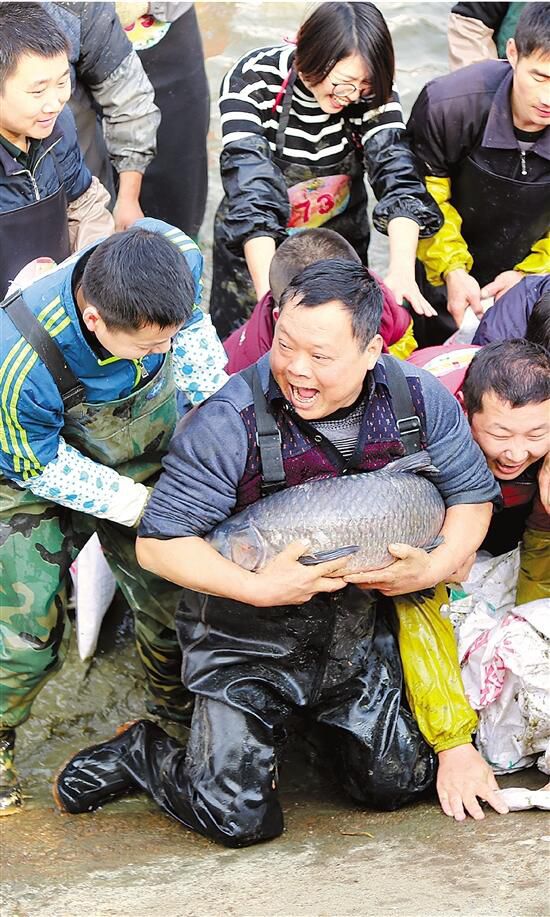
(431, 669)
(447, 250)
(405, 345)
(538, 259)
(534, 567)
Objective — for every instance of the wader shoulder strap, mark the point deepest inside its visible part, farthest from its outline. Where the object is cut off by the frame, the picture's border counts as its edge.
(268, 437)
(70, 388)
(408, 421)
(285, 95)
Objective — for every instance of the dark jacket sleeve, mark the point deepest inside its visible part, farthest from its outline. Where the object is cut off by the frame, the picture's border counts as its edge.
(113, 74)
(490, 14)
(103, 42)
(77, 178)
(396, 181)
(429, 138)
(256, 191)
(509, 316)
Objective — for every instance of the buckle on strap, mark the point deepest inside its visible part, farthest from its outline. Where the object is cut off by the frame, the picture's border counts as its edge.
(264, 437)
(409, 425)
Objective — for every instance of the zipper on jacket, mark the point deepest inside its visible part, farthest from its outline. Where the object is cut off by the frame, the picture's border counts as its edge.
(523, 163)
(37, 163)
(31, 176)
(141, 371)
(44, 154)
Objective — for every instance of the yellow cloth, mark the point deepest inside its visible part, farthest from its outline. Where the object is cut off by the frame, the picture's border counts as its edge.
(431, 669)
(447, 250)
(534, 569)
(405, 345)
(538, 260)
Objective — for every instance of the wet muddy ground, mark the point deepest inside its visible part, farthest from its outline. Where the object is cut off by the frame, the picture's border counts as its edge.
(334, 860)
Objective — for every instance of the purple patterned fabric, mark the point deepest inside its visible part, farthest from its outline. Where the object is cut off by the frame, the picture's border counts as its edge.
(304, 459)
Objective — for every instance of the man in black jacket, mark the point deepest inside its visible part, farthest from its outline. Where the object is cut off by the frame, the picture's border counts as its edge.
(482, 135)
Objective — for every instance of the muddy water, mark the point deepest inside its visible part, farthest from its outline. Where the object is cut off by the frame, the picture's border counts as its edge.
(86, 700)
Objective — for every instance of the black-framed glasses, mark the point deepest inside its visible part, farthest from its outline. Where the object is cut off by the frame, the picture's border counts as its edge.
(344, 90)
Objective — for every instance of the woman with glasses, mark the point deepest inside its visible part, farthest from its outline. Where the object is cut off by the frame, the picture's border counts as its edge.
(302, 126)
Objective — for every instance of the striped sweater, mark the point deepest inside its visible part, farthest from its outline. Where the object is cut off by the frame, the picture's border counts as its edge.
(250, 106)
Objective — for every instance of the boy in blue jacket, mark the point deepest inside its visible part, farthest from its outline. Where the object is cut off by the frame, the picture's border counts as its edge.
(49, 203)
(90, 358)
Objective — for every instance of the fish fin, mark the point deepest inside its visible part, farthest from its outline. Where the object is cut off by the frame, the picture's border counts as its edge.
(439, 539)
(418, 462)
(321, 557)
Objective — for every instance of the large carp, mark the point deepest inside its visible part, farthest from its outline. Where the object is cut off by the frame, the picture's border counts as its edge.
(359, 515)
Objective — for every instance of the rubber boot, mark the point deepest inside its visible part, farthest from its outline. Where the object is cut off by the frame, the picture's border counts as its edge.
(103, 772)
(10, 788)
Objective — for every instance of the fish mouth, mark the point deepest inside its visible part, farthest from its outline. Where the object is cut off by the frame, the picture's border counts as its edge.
(301, 396)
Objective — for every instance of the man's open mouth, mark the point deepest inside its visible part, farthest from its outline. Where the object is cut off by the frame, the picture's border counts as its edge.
(303, 396)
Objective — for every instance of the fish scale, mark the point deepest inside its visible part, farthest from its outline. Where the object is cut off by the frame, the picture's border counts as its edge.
(369, 511)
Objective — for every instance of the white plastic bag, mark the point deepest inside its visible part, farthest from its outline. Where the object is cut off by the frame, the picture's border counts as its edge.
(95, 587)
(504, 651)
(506, 677)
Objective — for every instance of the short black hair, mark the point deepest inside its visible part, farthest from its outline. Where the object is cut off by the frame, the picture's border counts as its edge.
(138, 278)
(516, 371)
(344, 281)
(304, 248)
(538, 326)
(532, 34)
(334, 31)
(26, 28)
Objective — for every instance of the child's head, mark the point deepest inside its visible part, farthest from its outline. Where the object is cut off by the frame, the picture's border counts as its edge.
(302, 249)
(137, 291)
(507, 397)
(35, 80)
(538, 326)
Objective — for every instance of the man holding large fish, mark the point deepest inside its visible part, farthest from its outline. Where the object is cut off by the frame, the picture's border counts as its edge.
(266, 636)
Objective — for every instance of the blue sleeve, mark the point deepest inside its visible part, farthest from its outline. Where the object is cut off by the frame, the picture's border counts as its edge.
(31, 418)
(77, 178)
(198, 486)
(462, 475)
(510, 314)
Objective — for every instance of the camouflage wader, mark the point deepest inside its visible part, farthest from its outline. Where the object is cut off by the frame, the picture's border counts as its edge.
(39, 540)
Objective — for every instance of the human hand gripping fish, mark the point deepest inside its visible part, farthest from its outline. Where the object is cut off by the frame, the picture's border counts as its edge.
(412, 571)
(286, 581)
